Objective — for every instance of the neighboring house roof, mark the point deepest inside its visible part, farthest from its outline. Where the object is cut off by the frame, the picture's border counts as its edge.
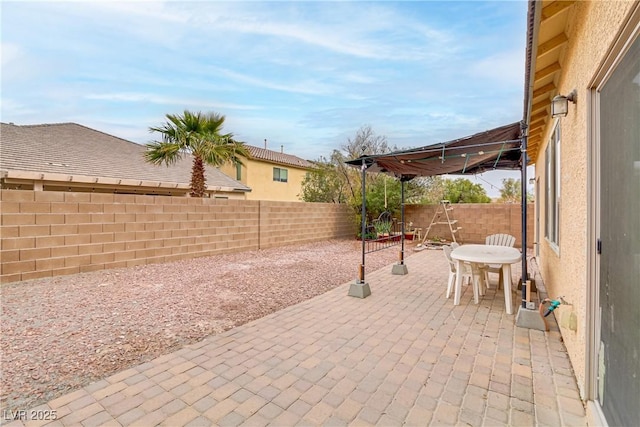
(70, 149)
(277, 157)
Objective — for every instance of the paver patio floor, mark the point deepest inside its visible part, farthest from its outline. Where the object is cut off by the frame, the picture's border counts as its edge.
(403, 356)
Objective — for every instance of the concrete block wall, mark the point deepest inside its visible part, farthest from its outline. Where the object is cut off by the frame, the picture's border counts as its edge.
(285, 223)
(47, 233)
(477, 220)
(55, 233)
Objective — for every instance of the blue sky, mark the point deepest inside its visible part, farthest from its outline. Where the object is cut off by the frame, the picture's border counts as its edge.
(304, 75)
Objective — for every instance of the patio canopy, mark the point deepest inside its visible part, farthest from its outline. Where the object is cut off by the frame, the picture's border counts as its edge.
(498, 148)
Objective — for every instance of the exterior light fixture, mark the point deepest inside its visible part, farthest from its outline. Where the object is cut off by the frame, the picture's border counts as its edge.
(560, 104)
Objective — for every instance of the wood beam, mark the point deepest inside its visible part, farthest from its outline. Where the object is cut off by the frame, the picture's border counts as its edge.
(552, 44)
(536, 138)
(546, 71)
(538, 116)
(550, 87)
(535, 129)
(535, 133)
(533, 142)
(542, 105)
(537, 124)
(555, 8)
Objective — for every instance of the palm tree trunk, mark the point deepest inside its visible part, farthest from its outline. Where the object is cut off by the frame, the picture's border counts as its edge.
(198, 183)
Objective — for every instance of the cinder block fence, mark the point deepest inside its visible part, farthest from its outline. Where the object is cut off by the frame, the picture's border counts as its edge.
(46, 233)
(477, 220)
(55, 233)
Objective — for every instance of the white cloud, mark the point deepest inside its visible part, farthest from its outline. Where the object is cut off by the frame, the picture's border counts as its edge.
(303, 74)
(308, 86)
(163, 100)
(506, 67)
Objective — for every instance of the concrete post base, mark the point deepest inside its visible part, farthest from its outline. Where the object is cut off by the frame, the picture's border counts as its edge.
(529, 319)
(359, 290)
(399, 269)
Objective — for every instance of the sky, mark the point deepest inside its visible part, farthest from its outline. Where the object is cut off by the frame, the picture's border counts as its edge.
(304, 75)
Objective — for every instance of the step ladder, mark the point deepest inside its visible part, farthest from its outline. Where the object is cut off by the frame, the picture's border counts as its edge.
(444, 208)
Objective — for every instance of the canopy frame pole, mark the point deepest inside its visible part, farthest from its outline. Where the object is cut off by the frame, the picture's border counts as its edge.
(363, 220)
(523, 192)
(400, 268)
(402, 229)
(361, 289)
(500, 154)
(466, 160)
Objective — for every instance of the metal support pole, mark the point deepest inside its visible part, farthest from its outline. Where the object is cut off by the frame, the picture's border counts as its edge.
(526, 317)
(400, 268)
(402, 219)
(523, 183)
(360, 289)
(363, 220)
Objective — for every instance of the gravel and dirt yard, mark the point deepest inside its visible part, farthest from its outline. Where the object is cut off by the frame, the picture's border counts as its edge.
(60, 333)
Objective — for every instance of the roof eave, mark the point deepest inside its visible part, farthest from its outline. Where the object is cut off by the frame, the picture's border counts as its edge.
(533, 26)
(98, 180)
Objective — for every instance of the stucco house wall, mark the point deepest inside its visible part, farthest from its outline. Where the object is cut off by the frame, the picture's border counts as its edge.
(259, 176)
(591, 30)
(257, 173)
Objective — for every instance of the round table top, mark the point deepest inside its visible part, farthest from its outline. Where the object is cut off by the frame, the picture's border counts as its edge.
(488, 254)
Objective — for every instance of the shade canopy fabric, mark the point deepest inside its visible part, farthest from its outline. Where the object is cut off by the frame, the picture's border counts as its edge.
(498, 148)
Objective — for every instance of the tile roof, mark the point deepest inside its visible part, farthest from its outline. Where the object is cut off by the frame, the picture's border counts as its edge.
(277, 157)
(73, 149)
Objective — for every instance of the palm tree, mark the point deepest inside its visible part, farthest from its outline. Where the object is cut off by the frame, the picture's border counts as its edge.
(197, 134)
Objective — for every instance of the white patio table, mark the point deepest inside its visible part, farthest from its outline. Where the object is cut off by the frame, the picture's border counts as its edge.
(486, 254)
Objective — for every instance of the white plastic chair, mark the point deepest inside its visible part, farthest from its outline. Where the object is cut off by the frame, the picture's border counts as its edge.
(470, 273)
(497, 240)
(500, 240)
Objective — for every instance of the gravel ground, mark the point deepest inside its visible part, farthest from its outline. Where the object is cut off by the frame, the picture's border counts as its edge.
(61, 333)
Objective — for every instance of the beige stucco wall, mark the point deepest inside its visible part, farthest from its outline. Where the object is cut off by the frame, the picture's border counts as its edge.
(258, 175)
(591, 30)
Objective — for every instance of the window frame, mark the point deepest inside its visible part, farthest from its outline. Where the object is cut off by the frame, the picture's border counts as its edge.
(280, 174)
(553, 188)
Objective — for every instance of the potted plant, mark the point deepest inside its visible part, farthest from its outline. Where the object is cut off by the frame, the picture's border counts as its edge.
(383, 228)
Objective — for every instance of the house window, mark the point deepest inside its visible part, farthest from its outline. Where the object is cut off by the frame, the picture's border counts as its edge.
(280, 174)
(238, 172)
(552, 190)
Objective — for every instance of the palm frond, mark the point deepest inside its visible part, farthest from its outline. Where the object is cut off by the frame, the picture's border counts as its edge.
(162, 152)
(196, 133)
